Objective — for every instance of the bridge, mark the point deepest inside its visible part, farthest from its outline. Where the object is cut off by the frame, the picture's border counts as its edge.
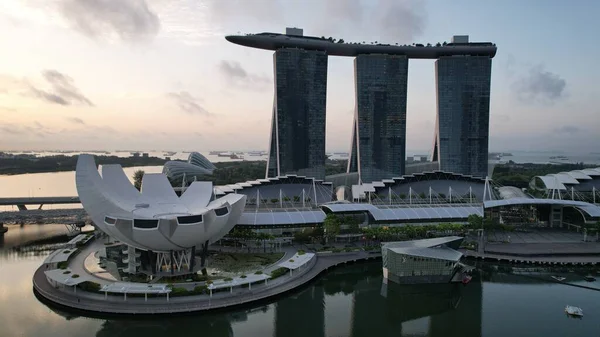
(22, 202)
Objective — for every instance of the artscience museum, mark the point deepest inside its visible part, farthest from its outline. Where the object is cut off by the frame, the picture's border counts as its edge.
(162, 230)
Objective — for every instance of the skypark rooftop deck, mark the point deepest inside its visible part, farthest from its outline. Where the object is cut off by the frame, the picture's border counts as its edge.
(274, 41)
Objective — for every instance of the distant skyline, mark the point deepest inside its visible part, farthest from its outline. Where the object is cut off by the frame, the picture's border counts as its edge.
(142, 75)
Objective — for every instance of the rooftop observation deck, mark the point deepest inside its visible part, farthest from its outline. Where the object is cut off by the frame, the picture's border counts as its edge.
(274, 41)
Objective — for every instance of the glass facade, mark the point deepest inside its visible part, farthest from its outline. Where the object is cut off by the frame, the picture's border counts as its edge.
(463, 114)
(298, 127)
(408, 265)
(379, 136)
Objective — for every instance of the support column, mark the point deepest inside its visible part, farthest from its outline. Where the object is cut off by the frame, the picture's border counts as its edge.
(145, 297)
(172, 261)
(124, 296)
(192, 259)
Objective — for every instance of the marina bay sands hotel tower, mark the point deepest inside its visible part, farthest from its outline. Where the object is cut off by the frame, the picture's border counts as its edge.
(378, 149)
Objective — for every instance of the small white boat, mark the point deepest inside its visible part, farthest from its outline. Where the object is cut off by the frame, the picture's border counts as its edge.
(574, 311)
(558, 278)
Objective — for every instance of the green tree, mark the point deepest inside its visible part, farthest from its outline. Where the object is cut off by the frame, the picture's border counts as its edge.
(475, 221)
(331, 225)
(137, 179)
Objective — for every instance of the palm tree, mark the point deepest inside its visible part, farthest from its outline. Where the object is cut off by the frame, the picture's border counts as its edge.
(137, 179)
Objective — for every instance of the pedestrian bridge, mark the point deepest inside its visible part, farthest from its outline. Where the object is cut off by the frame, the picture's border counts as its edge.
(23, 202)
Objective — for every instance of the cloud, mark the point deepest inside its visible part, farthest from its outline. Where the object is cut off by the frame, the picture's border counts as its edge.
(540, 85)
(11, 129)
(401, 20)
(75, 120)
(237, 75)
(188, 103)
(569, 129)
(394, 20)
(129, 20)
(4, 108)
(259, 10)
(63, 90)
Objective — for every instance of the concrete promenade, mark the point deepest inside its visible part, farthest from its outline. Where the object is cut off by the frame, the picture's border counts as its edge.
(116, 304)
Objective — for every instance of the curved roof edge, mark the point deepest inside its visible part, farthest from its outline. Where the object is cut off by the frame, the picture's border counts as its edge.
(590, 209)
(557, 181)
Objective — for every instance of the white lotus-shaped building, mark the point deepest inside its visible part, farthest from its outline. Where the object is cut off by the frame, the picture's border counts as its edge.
(155, 218)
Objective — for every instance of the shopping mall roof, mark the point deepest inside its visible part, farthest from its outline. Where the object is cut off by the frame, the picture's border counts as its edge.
(407, 212)
(590, 209)
(281, 217)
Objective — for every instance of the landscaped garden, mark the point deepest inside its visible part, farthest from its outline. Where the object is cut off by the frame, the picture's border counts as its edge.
(242, 262)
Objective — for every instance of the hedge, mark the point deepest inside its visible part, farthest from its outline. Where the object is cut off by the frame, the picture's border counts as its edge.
(278, 272)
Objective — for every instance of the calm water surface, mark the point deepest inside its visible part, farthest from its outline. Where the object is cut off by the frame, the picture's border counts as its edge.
(346, 302)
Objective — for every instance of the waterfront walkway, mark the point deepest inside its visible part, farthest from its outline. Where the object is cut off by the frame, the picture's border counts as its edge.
(96, 302)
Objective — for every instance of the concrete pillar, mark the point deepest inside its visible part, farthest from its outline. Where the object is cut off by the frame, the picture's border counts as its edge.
(167, 297)
(105, 295)
(75, 289)
(145, 297)
(210, 292)
(231, 290)
(250, 286)
(124, 296)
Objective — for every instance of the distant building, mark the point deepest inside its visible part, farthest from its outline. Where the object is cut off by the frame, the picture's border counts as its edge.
(145, 155)
(197, 166)
(463, 114)
(297, 144)
(379, 135)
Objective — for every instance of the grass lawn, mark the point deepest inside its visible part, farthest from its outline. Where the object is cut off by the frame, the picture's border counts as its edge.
(239, 262)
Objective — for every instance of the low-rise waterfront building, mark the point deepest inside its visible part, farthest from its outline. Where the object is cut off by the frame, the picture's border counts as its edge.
(421, 261)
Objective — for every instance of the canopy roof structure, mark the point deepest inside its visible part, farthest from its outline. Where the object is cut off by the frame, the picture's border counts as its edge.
(291, 187)
(65, 277)
(437, 248)
(297, 261)
(60, 255)
(154, 218)
(136, 288)
(434, 182)
(565, 180)
(406, 213)
(283, 217)
(589, 209)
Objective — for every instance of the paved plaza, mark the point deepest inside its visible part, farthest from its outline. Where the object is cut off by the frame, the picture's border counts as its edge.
(542, 243)
(541, 236)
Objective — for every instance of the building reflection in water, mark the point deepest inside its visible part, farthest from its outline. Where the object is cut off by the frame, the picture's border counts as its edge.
(377, 309)
(301, 315)
(402, 310)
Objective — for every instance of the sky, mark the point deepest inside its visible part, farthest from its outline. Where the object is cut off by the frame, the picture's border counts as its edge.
(159, 74)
